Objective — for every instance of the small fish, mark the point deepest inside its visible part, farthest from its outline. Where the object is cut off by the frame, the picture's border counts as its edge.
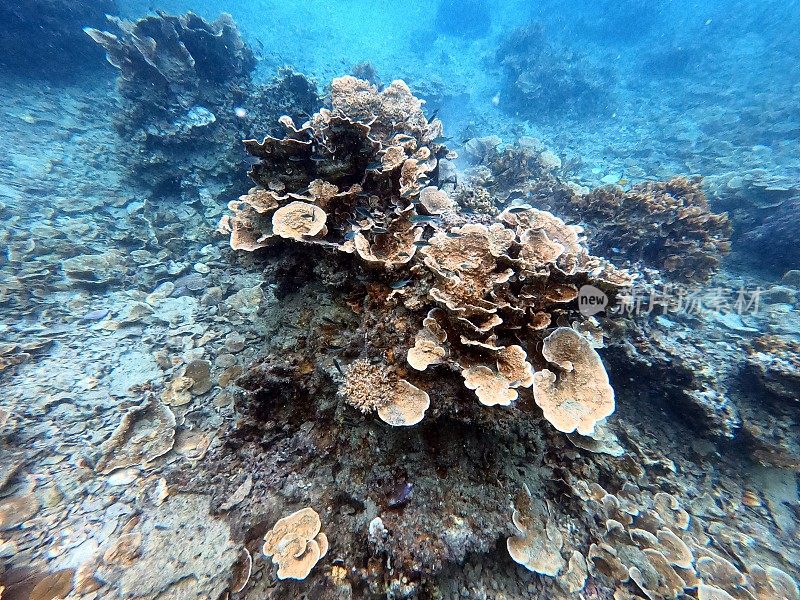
(453, 235)
(442, 139)
(421, 244)
(375, 165)
(519, 208)
(338, 367)
(363, 211)
(95, 315)
(400, 494)
(423, 219)
(403, 255)
(398, 285)
(350, 235)
(408, 193)
(318, 158)
(433, 115)
(622, 181)
(379, 230)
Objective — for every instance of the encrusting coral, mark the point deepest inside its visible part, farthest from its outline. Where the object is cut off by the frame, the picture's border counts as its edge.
(360, 178)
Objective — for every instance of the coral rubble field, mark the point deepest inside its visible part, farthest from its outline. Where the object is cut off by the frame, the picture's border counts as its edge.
(319, 331)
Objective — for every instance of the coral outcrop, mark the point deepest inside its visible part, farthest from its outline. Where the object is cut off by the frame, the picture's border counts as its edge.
(448, 307)
(542, 77)
(663, 225)
(187, 97)
(666, 226)
(360, 178)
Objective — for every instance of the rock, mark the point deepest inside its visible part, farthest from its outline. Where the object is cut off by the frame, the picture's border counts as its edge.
(199, 371)
(94, 269)
(180, 552)
(211, 297)
(17, 509)
(134, 368)
(145, 433)
(234, 342)
(792, 278)
(779, 294)
(223, 361)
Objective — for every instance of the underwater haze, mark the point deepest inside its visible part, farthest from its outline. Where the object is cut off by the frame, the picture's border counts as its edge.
(454, 299)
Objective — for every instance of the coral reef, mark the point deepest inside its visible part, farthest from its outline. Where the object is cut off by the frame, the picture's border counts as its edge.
(459, 328)
(44, 37)
(363, 392)
(187, 98)
(357, 178)
(542, 78)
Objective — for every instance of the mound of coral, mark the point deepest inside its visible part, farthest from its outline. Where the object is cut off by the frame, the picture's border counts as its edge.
(187, 98)
(541, 77)
(664, 226)
(471, 296)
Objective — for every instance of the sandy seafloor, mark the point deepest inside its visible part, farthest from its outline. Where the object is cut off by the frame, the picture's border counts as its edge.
(80, 350)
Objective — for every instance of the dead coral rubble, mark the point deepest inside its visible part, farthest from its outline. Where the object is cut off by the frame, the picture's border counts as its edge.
(360, 178)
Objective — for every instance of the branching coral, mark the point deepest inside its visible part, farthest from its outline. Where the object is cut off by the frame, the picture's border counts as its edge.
(473, 298)
(370, 388)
